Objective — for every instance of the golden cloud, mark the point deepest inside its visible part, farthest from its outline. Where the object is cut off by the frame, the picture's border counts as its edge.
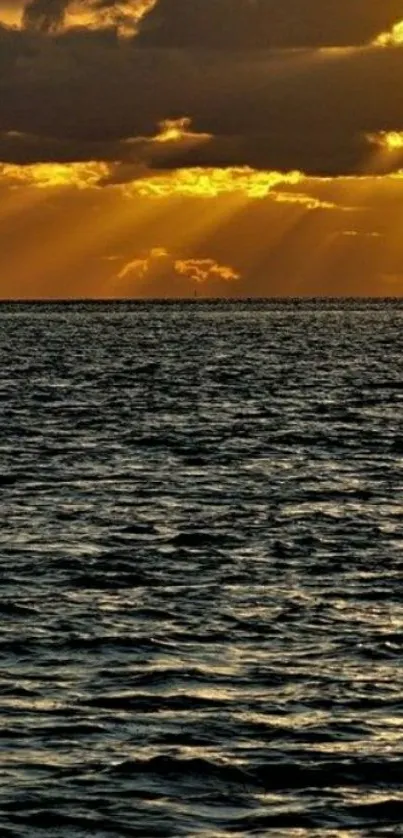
(125, 15)
(158, 261)
(211, 182)
(394, 140)
(192, 182)
(54, 175)
(387, 157)
(178, 130)
(388, 140)
(141, 266)
(237, 183)
(393, 38)
(307, 201)
(201, 270)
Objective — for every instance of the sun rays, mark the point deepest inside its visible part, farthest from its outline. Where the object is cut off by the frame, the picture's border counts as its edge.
(279, 232)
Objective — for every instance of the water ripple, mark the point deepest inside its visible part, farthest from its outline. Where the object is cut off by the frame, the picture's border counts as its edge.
(201, 562)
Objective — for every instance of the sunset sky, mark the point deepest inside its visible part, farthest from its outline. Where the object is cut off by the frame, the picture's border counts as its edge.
(231, 147)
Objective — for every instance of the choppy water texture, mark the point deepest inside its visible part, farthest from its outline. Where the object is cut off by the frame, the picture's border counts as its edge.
(201, 570)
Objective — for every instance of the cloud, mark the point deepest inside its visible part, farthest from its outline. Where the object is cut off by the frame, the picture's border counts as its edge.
(59, 241)
(146, 275)
(53, 175)
(201, 270)
(394, 37)
(123, 15)
(139, 267)
(44, 15)
(174, 138)
(201, 182)
(371, 234)
(388, 140)
(84, 94)
(229, 24)
(256, 24)
(49, 16)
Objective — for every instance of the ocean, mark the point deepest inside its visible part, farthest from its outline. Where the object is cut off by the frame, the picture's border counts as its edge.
(201, 569)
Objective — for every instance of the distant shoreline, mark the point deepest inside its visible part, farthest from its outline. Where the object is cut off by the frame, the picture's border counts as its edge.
(302, 302)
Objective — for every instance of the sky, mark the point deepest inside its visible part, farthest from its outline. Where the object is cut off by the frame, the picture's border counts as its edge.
(223, 148)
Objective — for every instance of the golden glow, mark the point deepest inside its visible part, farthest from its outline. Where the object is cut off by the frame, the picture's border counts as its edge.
(307, 201)
(160, 261)
(211, 229)
(197, 182)
(10, 15)
(388, 154)
(393, 140)
(372, 234)
(142, 265)
(79, 238)
(181, 222)
(391, 39)
(173, 130)
(211, 182)
(16, 201)
(176, 132)
(200, 270)
(52, 175)
(160, 271)
(388, 140)
(124, 15)
(137, 222)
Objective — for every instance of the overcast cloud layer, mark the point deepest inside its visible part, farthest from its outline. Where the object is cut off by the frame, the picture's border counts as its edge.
(256, 75)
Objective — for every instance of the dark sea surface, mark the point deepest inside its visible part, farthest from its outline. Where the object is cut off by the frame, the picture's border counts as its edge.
(201, 570)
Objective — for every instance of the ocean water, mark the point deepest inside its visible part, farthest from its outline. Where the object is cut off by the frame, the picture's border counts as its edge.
(201, 570)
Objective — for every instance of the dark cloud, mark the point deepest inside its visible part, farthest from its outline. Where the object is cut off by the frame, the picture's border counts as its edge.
(134, 155)
(252, 24)
(85, 94)
(44, 15)
(27, 149)
(229, 24)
